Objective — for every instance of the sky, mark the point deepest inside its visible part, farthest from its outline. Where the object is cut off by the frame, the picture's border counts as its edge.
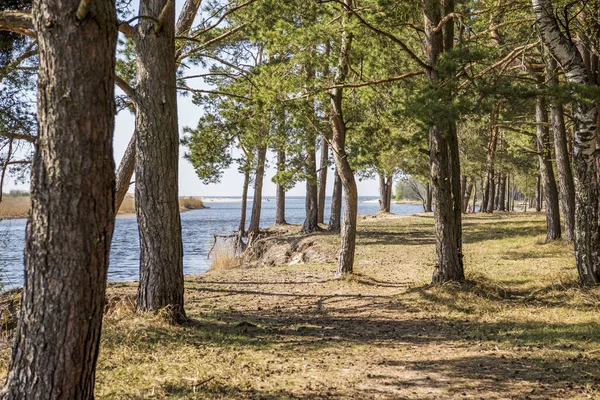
(189, 184)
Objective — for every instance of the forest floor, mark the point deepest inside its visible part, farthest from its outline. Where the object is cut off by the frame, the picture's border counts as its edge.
(520, 328)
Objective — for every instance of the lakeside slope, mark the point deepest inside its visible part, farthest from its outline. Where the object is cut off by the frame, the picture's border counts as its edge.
(520, 328)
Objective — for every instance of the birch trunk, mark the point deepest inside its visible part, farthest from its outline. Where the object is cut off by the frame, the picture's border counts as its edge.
(587, 242)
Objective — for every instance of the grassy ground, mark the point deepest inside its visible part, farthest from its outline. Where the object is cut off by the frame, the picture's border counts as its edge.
(519, 329)
(18, 206)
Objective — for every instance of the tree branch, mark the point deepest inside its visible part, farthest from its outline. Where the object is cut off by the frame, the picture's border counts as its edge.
(390, 36)
(18, 22)
(225, 14)
(209, 42)
(126, 29)
(214, 92)
(18, 136)
(126, 88)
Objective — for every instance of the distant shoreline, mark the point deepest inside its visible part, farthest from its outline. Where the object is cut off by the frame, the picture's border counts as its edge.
(17, 207)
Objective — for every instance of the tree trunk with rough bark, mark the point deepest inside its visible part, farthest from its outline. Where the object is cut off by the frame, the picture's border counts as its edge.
(487, 204)
(390, 187)
(280, 190)
(546, 171)
(443, 155)
(345, 172)
(335, 217)
(428, 206)
(474, 195)
(72, 205)
(561, 151)
(538, 194)
(384, 193)
(587, 240)
(127, 165)
(157, 163)
(463, 188)
(125, 172)
(502, 194)
(322, 180)
(254, 227)
(311, 200)
(242, 224)
(467, 195)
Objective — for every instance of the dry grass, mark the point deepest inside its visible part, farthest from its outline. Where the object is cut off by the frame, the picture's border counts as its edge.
(14, 207)
(518, 329)
(224, 257)
(18, 206)
(191, 203)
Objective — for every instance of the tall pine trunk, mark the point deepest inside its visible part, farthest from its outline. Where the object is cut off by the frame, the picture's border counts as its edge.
(546, 170)
(335, 216)
(72, 205)
(157, 163)
(502, 194)
(489, 184)
(563, 161)
(390, 187)
(254, 227)
(124, 173)
(428, 206)
(244, 208)
(127, 165)
(310, 205)
(348, 230)
(443, 155)
(384, 192)
(322, 180)
(538, 194)
(280, 190)
(467, 195)
(587, 241)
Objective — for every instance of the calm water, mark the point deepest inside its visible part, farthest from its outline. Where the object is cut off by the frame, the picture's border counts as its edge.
(198, 226)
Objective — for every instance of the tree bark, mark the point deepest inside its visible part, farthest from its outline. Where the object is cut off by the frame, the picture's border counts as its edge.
(157, 163)
(322, 180)
(474, 195)
(348, 232)
(467, 195)
(311, 200)
(538, 194)
(280, 190)
(127, 165)
(487, 204)
(390, 187)
(428, 198)
(254, 227)
(546, 172)
(383, 193)
(443, 155)
(72, 205)
(242, 224)
(125, 172)
(561, 151)
(336, 205)
(502, 194)
(587, 241)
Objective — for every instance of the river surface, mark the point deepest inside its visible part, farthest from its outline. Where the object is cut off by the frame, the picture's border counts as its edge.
(198, 226)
